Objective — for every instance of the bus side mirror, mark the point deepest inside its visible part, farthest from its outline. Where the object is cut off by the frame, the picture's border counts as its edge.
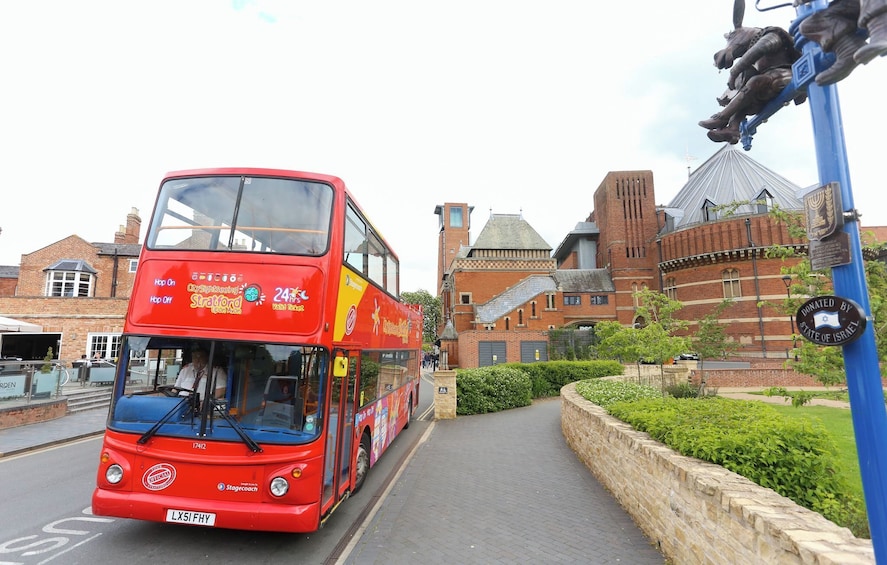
(340, 366)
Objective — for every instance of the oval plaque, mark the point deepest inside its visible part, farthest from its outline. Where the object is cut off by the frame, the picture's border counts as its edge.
(830, 320)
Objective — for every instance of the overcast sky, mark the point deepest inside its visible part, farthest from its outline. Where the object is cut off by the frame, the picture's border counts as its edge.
(508, 105)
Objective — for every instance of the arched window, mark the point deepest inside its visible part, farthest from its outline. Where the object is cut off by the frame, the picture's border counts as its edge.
(507, 324)
(732, 288)
(533, 306)
(520, 317)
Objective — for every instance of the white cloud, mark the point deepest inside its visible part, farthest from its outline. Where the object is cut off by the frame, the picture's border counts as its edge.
(509, 105)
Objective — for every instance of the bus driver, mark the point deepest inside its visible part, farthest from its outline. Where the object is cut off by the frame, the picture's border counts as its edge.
(191, 376)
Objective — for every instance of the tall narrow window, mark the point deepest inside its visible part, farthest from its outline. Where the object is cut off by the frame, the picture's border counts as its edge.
(455, 217)
(549, 301)
(533, 308)
(520, 317)
(671, 290)
(732, 288)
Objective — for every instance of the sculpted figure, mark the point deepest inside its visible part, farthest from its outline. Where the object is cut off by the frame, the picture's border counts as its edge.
(760, 61)
(841, 29)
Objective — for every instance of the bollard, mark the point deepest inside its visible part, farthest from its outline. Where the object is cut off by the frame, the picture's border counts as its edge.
(444, 395)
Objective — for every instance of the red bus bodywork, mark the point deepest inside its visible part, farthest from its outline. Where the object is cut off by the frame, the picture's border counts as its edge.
(218, 467)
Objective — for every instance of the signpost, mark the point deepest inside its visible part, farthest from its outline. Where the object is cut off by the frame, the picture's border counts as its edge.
(843, 252)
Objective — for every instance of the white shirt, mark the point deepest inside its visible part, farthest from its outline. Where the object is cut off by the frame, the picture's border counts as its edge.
(188, 375)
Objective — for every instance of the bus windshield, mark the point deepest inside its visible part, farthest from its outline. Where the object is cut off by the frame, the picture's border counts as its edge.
(224, 390)
(240, 213)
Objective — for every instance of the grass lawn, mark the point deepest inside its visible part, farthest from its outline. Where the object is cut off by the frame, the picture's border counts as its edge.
(839, 424)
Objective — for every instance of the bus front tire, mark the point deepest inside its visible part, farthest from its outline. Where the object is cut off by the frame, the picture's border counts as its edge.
(362, 466)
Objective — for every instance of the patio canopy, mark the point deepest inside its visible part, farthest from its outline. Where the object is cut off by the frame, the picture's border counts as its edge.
(10, 325)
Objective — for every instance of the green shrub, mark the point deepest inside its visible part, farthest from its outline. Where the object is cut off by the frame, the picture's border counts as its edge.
(794, 457)
(491, 389)
(549, 376)
(605, 393)
(682, 390)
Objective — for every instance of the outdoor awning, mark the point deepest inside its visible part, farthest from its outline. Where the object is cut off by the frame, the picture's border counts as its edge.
(10, 325)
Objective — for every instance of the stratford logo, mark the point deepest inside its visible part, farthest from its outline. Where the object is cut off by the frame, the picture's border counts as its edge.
(159, 476)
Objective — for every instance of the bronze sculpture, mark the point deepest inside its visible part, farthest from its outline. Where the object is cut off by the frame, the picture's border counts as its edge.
(763, 69)
(839, 29)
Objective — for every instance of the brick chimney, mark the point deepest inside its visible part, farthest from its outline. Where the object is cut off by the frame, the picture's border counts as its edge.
(133, 227)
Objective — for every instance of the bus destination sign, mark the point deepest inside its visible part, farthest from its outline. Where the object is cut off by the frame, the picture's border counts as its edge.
(831, 320)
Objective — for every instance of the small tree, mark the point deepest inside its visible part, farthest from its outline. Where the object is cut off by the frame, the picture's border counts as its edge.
(710, 339)
(431, 311)
(47, 362)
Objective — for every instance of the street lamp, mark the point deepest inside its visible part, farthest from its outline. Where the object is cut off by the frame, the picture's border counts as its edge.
(787, 281)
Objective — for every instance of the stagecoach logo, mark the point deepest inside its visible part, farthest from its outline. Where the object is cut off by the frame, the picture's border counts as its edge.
(159, 476)
(350, 320)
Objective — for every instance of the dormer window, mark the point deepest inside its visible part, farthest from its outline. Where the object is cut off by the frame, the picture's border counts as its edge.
(764, 202)
(70, 278)
(709, 211)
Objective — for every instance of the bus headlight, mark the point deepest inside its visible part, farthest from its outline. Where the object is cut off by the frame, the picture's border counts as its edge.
(114, 474)
(279, 486)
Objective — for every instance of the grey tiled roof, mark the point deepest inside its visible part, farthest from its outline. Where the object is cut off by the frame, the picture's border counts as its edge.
(731, 176)
(122, 249)
(513, 297)
(584, 280)
(509, 231)
(8, 272)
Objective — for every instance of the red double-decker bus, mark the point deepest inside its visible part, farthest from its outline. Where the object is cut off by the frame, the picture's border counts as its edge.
(266, 361)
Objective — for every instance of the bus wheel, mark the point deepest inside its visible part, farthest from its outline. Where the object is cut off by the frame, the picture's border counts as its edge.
(409, 413)
(363, 462)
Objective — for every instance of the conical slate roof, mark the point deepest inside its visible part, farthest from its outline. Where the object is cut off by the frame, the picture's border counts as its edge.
(509, 231)
(728, 177)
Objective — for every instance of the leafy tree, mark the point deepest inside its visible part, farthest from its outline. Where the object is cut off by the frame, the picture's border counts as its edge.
(710, 339)
(431, 310)
(826, 364)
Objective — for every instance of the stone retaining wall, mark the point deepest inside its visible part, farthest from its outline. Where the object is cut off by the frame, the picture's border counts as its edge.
(698, 512)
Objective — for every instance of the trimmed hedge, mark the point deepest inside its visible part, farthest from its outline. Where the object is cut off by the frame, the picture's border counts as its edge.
(794, 457)
(549, 377)
(491, 389)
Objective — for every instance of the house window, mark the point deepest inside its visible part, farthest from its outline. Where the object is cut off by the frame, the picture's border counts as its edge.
(598, 300)
(465, 298)
(70, 278)
(533, 308)
(520, 317)
(671, 289)
(549, 301)
(572, 300)
(732, 288)
(507, 324)
(133, 265)
(103, 346)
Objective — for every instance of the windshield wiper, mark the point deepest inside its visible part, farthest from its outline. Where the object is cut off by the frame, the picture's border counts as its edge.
(150, 433)
(250, 442)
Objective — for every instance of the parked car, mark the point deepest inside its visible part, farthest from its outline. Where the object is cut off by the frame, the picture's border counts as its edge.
(689, 357)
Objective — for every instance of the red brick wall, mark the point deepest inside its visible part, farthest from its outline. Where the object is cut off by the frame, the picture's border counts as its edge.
(30, 414)
(74, 318)
(7, 287)
(756, 378)
(468, 345)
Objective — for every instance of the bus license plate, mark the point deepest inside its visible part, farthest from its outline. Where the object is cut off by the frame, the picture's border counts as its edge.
(190, 517)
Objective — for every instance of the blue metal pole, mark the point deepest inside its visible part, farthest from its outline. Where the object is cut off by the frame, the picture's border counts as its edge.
(860, 356)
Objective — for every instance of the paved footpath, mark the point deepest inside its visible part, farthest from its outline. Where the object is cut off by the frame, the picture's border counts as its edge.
(500, 488)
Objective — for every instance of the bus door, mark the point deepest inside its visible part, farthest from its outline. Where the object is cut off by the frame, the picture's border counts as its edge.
(340, 427)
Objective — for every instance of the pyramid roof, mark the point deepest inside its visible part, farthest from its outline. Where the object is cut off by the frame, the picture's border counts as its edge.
(730, 176)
